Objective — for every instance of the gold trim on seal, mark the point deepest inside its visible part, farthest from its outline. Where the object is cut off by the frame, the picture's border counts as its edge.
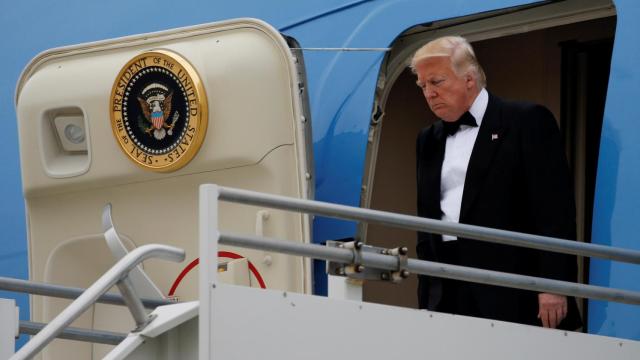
(189, 141)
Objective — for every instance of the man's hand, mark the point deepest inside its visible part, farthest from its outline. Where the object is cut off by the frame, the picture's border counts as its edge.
(552, 309)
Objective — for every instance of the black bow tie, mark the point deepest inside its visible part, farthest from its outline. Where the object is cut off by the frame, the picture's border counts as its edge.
(452, 127)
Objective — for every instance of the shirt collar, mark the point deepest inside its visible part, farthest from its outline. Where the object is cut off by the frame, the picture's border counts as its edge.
(479, 106)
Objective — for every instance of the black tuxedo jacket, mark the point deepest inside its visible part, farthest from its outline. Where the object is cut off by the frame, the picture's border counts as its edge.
(517, 179)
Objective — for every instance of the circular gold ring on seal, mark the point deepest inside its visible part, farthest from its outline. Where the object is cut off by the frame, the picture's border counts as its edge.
(159, 110)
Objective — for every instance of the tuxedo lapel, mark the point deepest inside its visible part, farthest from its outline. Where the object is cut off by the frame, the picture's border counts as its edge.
(489, 138)
(431, 167)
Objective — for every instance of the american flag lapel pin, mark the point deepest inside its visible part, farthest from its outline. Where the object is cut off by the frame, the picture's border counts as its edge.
(494, 137)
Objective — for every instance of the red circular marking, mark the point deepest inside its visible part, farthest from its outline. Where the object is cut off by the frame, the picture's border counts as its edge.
(225, 254)
(184, 273)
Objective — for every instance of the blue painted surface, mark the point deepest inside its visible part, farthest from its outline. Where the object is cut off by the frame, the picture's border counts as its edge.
(615, 220)
(341, 84)
(341, 87)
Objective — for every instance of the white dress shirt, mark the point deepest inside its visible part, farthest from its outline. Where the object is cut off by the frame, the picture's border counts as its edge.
(456, 159)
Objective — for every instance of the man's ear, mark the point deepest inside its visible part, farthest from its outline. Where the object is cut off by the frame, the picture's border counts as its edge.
(470, 80)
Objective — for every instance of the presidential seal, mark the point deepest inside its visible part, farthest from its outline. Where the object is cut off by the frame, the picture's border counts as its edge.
(159, 111)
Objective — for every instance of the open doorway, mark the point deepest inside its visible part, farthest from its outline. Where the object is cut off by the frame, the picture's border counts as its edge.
(562, 64)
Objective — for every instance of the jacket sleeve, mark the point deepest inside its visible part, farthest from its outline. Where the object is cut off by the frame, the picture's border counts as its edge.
(549, 189)
(429, 288)
(421, 247)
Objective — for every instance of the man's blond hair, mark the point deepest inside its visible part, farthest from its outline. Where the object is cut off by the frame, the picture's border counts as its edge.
(463, 58)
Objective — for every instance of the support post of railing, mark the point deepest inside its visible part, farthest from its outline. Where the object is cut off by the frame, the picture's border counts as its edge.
(208, 272)
(133, 302)
(9, 316)
(344, 288)
(89, 297)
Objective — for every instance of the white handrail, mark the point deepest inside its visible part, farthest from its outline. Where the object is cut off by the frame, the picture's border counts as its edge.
(114, 275)
(409, 222)
(386, 262)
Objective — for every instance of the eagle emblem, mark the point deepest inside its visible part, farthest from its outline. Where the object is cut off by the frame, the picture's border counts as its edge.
(155, 102)
(159, 111)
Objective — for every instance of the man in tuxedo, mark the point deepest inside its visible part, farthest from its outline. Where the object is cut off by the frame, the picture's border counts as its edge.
(497, 164)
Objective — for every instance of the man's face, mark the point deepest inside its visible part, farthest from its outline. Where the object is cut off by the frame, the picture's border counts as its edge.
(447, 94)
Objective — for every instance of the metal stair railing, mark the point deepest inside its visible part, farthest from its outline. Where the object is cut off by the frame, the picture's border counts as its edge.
(428, 225)
(77, 334)
(210, 232)
(390, 262)
(68, 292)
(116, 275)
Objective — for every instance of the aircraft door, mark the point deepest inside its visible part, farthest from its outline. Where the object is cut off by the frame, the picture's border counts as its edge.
(140, 122)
